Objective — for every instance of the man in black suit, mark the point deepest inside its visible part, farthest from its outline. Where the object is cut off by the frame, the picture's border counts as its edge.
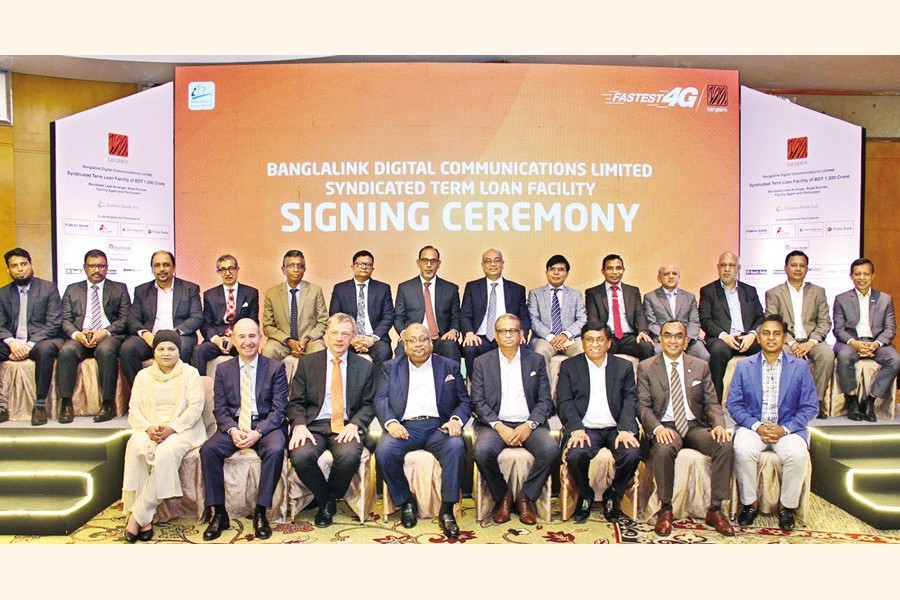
(511, 398)
(164, 303)
(250, 399)
(484, 300)
(422, 403)
(330, 408)
(619, 305)
(223, 306)
(597, 403)
(730, 314)
(32, 332)
(370, 303)
(95, 319)
(431, 301)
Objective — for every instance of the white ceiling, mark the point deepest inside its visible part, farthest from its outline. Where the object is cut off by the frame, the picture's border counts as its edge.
(860, 74)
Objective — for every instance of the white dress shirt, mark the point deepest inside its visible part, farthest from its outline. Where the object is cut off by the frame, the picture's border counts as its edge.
(598, 415)
(501, 305)
(626, 327)
(325, 412)
(513, 404)
(799, 332)
(164, 308)
(669, 415)
(368, 321)
(864, 327)
(422, 398)
(86, 323)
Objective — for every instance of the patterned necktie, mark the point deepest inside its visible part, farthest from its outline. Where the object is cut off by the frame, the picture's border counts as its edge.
(361, 310)
(245, 416)
(230, 311)
(295, 333)
(96, 319)
(429, 313)
(337, 397)
(617, 318)
(22, 327)
(491, 313)
(556, 313)
(677, 396)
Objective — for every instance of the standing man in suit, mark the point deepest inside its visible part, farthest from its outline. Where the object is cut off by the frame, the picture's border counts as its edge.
(511, 399)
(678, 408)
(294, 313)
(597, 404)
(484, 300)
(805, 312)
(369, 302)
(668, 302)
(422, 402)
(557, 313)
(30, 317)
(95, 319)
(431, 301)
(864, 326)
(730, 313)
(772, 399)
(223, 306)
(167, 302)
(250, 399)
(330, 408)
(619, 305)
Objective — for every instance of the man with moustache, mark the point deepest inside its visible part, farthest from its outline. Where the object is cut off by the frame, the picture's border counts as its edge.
(557, 313)
(294, 313)
(668, 302)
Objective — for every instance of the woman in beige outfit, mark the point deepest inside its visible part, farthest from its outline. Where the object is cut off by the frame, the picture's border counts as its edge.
(165, 413)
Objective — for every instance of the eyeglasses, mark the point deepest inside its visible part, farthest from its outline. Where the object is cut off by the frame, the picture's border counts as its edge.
(228, 270)
(95, 267)
(430, 261)
(507, 331)
(295, 267)
(364, 265)
(423, 339)
(673, 336)
(594, 341)
(492, 261)
(557, 269)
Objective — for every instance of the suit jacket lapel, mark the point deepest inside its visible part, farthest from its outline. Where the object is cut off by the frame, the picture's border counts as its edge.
(438, 381)
(787, 373)
(660, 371)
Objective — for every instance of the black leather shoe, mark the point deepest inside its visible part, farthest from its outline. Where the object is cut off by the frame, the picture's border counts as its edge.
(747, 516)
(130, 537)
(66, 413)
(38, 415)
(822, 415)
(786, 519)
(107, 412)
(611, 508)
(448, 525)
(145, 536)
(325, 514)
(853, 408)
(868, 410)
(409, 514)
(4, 415)
(218, 522)
(583, 512)
(261, 524)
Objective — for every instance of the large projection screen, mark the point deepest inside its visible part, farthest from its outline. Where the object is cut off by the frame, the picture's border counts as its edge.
(532, 160)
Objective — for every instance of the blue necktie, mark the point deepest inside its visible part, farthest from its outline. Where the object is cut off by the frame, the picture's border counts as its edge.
(556, 313)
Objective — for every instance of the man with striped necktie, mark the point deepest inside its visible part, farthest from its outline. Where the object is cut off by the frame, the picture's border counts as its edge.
(557, 313)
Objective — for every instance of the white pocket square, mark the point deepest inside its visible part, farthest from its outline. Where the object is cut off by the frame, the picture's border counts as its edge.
(449, 377)
(533, 373)
(693, 383)
(245, 305)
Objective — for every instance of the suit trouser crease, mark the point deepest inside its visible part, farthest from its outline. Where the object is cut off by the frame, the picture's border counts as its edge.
(626, 461)
(346, 455)
(794, 455)
(489, 445)
(269, 448)
(662, 458)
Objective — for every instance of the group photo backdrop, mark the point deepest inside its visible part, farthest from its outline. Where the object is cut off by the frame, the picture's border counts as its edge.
(532, 160)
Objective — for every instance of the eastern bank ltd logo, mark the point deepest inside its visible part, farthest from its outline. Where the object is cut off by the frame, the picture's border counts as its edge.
(201, 95)
(798, 148)
(678, 97)
(118, 145)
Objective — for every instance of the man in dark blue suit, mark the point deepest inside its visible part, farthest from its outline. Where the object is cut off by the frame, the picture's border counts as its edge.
(422, 403)
(251, 393)
(223, 306)
(167, 302)
(484, 300)
(511, 398)
(370, 303)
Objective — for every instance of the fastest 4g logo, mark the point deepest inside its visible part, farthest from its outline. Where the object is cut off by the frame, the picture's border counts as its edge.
(684, 97)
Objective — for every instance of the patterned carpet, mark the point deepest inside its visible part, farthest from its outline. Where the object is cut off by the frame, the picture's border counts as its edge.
(827, 524)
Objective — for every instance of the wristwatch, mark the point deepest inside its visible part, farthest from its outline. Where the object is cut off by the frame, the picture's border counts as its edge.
(532, 424)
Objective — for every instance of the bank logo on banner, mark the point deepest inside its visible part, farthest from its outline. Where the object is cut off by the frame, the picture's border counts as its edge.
(118, 145)
(798, 148)
(201, 95)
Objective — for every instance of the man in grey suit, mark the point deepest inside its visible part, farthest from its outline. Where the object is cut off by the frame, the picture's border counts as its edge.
(30, 316)
(95, 319)
(668, 302)
(864, 326)
(511, 399)
(804, 309)
(557, 313)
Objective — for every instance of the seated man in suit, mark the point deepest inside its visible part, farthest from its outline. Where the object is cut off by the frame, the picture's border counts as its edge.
(511, 399)
(668, 302)
(678, 408)
(223, 306)
(431, 301)
(251, 393)
(294, 313)
(805, 312)
(557, 313)
(864, 326)
(95, 319)
(30, 316)
(619, 305)
(486, 299)
(730, 313)
(370, 303)
(772, 399)
(422, 402)
(330, 408)
(167, 302)
(597, 405)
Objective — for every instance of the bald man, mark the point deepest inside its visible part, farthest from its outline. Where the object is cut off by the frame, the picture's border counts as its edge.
(670, 302)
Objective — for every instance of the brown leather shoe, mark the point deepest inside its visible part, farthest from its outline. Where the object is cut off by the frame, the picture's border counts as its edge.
(502, 508)
(663, 525)
(715, 518)
(526, 511)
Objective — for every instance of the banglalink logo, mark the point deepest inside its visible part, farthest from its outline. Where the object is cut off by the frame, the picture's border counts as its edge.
(118, 145)
(798, 148)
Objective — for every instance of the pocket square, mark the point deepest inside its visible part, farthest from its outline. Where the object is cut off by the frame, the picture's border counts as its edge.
(533, 373)
(693, 383)
(245, 305)
(449, 377)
